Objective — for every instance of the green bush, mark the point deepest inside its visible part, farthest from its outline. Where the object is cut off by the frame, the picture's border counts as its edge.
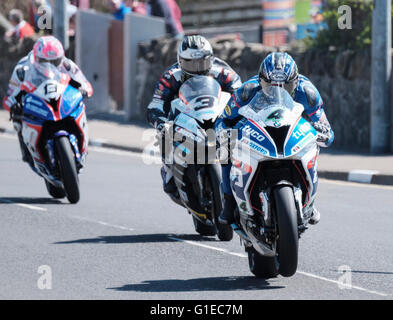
(358, 37)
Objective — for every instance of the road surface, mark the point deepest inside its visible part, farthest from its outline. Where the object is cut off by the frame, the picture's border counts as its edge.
(126, 240)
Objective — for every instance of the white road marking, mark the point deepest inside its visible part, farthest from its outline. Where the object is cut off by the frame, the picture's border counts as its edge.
(338, 283)
(300, 272)
(242, 255)
(103, 223)
(24, 205)
(355, 184)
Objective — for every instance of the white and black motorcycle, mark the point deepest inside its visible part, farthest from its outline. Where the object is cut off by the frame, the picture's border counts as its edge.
(190, 153)
(274, 180)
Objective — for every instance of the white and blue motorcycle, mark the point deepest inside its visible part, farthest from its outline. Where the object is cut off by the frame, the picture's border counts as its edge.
(274, 180)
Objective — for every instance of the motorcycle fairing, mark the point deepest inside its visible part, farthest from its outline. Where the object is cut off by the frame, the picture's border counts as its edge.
(71, 99)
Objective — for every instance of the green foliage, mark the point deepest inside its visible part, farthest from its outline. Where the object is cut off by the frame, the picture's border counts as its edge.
(358, 37)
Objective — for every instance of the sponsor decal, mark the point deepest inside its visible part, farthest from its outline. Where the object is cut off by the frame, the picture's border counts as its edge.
(258, 148)
(303, 142)
(228, 111)
(303, 129)
(253, 133)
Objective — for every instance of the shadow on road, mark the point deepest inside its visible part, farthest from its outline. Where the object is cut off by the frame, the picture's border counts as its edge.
(200, 284)
(26, 200)
(141, 238)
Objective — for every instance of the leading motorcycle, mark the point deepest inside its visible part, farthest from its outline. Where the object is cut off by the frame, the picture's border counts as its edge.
(54, 130)
(274, 180)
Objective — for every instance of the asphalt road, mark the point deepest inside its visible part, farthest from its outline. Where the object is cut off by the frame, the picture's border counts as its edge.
(126, 240)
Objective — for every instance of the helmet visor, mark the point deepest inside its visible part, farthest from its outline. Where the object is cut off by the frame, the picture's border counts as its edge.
(196, 66)
(55, 62)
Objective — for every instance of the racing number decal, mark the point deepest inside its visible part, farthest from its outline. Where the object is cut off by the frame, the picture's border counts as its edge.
(50, 88)
(205, 102)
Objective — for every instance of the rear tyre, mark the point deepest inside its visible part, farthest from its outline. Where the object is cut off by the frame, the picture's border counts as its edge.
(67, 167)
(224, 232)
(288, 240)
(261, 266)
(203, 229)
(55, 192)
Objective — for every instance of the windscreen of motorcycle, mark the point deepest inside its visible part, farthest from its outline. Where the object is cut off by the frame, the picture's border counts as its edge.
(49, 81)
(199, 86)
(271, 96)
(272, 106)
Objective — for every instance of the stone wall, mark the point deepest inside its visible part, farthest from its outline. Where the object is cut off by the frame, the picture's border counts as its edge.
(343, 79)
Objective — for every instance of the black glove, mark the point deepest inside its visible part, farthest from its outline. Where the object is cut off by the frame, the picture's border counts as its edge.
(16, 112)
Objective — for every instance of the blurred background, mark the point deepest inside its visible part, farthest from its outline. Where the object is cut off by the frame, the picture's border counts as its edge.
(124, 46)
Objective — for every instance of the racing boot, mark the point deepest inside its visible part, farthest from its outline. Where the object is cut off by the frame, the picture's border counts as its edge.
(168, 181)
(26, 157)
(316, 216)
(227, 213)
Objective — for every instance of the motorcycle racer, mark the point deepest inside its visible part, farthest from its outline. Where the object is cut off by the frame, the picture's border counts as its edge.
(194, 57)
(47, 50)
(277, 69)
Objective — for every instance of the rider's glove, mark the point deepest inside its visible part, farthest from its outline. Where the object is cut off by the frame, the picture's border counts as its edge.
(323, 132)
(16, 112)
(83, 92)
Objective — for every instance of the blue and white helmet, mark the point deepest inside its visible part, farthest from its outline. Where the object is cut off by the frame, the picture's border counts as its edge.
(279, 69)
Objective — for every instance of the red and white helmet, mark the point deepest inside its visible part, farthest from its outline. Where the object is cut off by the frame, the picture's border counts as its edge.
(47, 50)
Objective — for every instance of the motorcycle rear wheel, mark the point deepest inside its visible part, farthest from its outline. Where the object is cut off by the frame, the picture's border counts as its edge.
(67, 167)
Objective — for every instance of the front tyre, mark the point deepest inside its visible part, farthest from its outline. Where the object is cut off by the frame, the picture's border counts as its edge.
(67, 168)
(288, 238)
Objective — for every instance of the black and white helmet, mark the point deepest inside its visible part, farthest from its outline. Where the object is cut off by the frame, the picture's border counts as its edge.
(195, 55)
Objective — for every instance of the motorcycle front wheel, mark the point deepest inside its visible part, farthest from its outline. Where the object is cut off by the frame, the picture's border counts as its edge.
(288, 237)
(67, 167)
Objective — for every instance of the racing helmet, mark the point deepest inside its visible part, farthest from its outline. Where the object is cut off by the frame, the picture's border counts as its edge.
(195, 55)
(46, 50)
(279, 69)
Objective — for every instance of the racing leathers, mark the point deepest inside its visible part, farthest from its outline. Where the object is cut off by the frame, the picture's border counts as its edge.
(305, 93)
(167, 89)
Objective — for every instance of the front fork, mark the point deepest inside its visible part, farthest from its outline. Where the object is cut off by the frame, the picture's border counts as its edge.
(74, 144)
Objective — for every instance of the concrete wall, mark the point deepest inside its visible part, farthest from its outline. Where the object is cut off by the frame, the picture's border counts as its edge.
(137, 28)
(92, 55)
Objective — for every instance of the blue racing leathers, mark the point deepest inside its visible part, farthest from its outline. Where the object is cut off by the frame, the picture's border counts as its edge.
(305, 93)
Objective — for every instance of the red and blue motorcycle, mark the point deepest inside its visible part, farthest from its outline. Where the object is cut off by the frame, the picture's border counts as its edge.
(54, 130)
